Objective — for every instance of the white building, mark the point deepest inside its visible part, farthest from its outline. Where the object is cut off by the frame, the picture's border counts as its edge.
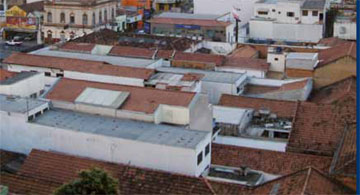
(214, 83)
(345, 28)
(288, 20)
(23, 84)
(29, 124)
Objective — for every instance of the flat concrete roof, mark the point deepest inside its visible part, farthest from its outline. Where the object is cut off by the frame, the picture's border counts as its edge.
(301, 56)
(18, 77)
(188, 16)
(122, 128)
(210, 76)
(115, 60)
(19, 105)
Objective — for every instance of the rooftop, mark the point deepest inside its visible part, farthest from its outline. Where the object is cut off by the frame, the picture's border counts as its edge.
(330, 55)
(19, 105)
(314, 4)
(272, 162)
(56, 169)
(227, 115)
(188, 19)
(301, 56)
(218, 60)
(281, 108)
(81, 47)
(8, 78)
(246, 63)
(306, 181)
(209, 76)
(134, 52)
(140, 99)
(114, 60)
(121, 128)
(32, 7)
(245, 51)
(84, 66)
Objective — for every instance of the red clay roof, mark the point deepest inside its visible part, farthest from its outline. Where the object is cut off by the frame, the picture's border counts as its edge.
(7, 156)
(306, 181)
(132, 52)
(4, 74)
(273, 162)
(333, 92)
(245, 51)
(192, 77)
(294, 85)
(140, 100)
(342, 50)
(317, 129)
(84, 66)
(199, 57)
(281, 108)
(199, 22)
(59, 168)
(246, 63)
(81, 47)
(166, 54)
(332, 41)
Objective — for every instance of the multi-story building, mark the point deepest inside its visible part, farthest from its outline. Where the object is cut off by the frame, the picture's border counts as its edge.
(195, 26)
(67, 19)
(345, 25)
(166, 5)
(288, 20)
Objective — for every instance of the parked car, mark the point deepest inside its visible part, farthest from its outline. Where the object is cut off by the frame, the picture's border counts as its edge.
(13, 43)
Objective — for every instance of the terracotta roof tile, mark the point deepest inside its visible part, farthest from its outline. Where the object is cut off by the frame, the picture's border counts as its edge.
(60, 168)
(331, 41)
(80, 47)
(31, 7)
(317, 129)
(4, 74)
(281, 108)
(306, 181)
(140, 100)
(165, 54)
(245, 51)
(294, 85)
(273, 162)
(132, 52)
(26, 185)
(199, 22)
(332, 54)
(333, 92)
(192, 77)
(199, 57)
(246, 63)
(85, 66)
(7, 156)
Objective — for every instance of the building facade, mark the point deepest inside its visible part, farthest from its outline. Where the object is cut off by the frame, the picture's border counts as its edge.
(69, 19)
(304, 21)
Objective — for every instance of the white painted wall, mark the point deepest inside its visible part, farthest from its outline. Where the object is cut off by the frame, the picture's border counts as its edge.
(248, 72)
(25, 87)
(22, 137)
(172, 115)
(345, 30)
(276, 61)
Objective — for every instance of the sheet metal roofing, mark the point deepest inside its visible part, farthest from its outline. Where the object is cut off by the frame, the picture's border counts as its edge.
(302, 56)
(102, 97)
(115, 60)
(19, 105)
(121, 128)
(210, 76)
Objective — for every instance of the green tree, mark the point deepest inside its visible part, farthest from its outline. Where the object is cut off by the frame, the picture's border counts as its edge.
(92, 181)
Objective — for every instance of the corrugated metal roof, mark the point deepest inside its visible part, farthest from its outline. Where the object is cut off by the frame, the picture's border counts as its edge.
(314, 4)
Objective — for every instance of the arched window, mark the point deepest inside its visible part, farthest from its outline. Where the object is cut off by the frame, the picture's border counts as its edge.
(72, 18)
(49, 17)
(62, 18)
(100, 17)
(105, 15)
(85, 19)
(93, 19)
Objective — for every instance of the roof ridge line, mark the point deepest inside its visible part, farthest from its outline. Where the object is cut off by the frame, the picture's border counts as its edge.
(209, 185)
(307, 180)
(350, 49)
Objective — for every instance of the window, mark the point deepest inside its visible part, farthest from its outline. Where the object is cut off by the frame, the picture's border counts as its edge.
(315, 13)
(279, 12)
(281, 135)
(49, 17)
(85, 19)
(276, 59)
(207, 149)
(72, 18)
(112, 13)
(273, 10)
(100, 17)
(33, 95)
(93, 19)
(290, 14)
(62, 18)
(305, 13)
(47, 74)
(199, 158)
(59, 75)
(105, 15)
(262, 13)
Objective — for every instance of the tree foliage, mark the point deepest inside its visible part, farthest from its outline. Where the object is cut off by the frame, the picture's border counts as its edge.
(92, 181)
